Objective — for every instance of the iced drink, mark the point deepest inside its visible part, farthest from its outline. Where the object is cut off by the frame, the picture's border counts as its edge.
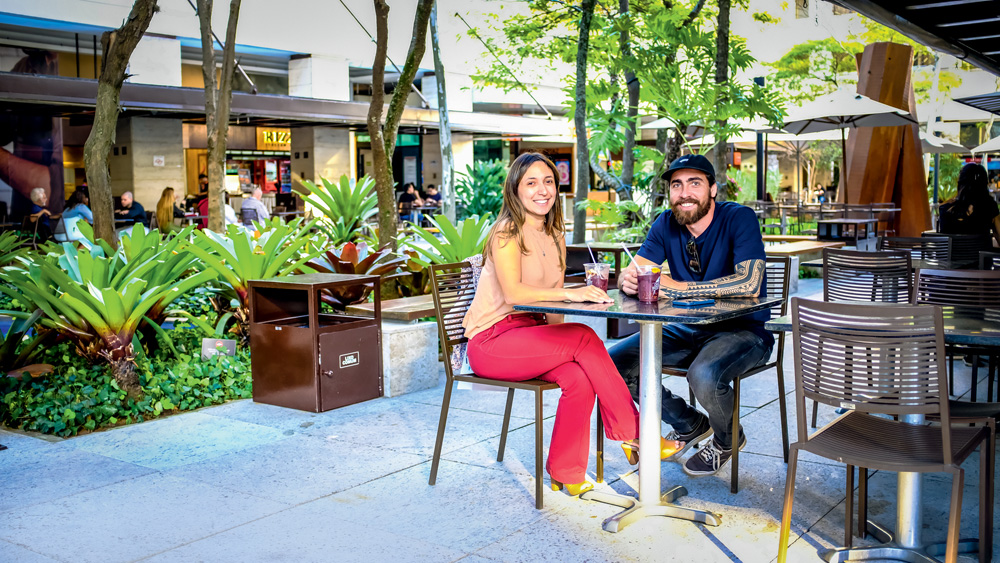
(649, 284)
(597, 275)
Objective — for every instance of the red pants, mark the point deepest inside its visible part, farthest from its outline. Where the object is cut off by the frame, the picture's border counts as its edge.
(521, 347)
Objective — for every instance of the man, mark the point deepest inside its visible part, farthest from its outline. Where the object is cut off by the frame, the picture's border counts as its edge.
(40, 214)
(433, 196)
(713, 250)
(255, 204)
(130, 211)
(412, 198)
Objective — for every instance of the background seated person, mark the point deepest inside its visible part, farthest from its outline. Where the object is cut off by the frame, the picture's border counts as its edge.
(130, 211)
(407, 201)
(40, 215)
(255, 204)
(79, 206)
(973, 211)
(433, 196)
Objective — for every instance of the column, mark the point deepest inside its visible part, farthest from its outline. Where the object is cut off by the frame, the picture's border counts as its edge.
(322, 77)
(321, 152)
(156, 153)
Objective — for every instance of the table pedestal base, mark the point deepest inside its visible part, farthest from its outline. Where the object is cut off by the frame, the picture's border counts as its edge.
(889, 549)
(635, 510)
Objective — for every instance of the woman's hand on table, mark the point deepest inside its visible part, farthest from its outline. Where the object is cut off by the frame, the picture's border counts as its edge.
(588, 294)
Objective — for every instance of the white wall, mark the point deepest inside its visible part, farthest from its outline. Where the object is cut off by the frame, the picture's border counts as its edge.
(156, 60)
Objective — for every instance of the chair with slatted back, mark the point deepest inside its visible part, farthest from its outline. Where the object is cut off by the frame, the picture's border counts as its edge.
(777, 275)
(880, 362)
(965, 248)
(930, 249)
(989, 260)
(454, 288)
(852, 275)
(968, 289)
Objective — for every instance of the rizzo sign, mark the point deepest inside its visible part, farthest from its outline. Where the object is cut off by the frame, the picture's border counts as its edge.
(271, 139)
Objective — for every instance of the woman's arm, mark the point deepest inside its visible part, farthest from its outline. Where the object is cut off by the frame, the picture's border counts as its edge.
(507, 259)
(996, 229)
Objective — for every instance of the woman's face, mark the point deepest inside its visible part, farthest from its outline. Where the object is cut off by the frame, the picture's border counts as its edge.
(537, 189)
(86, 200)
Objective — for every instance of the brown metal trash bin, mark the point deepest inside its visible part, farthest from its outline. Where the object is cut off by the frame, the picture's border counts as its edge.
(307, 360)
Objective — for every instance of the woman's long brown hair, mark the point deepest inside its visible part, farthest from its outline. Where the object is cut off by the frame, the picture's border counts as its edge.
(510, 222)
(165, 210)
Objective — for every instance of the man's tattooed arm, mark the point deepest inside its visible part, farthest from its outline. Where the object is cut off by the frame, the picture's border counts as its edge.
(744, 283)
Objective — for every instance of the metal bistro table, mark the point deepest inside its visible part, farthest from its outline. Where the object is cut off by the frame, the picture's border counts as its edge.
(980, 328)
(651, 317)
(838, 229)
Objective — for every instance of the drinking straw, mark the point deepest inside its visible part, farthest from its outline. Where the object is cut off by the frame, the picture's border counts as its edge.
(592, 259)
(630, 257)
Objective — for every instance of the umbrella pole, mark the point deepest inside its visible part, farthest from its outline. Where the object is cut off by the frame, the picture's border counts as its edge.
(842, 188)
(765, 166)
(937, 178)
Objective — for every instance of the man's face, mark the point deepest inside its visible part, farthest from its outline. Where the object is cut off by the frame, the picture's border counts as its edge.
(410, 190)
(690, 196)
(203, 181)
(126, 200)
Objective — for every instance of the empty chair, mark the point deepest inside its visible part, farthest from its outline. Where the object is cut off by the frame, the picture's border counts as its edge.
(880, 362)
(454, 287)
(965, 248)
(248, 216)
(777, 274)
(971, 291)
(933, 250)
(989, 260)
(851, 275)
(858, 211)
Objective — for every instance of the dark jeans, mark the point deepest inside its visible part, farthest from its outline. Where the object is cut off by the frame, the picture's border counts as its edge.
(712, 359)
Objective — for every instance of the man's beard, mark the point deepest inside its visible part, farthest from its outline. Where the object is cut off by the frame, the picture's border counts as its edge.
(688, 217)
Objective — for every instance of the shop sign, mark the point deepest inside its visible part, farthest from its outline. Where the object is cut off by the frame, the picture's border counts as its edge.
(271, 139)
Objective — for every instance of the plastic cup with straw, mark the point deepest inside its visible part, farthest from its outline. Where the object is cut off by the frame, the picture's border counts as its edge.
(596, 274)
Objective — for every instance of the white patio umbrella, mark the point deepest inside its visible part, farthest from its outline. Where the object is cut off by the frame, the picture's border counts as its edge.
(940, 145)
(993, 145)
(843, 110)
(698, 127)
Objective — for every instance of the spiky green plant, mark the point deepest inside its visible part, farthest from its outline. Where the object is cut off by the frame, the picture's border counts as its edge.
(354, 259)
(12, 354)
(345, 206)
(480, 187)
(96, 300)
(10, 247)
(456, 243)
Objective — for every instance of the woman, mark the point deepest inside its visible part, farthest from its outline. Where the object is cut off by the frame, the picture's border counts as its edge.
(166, 211)
(973, 211)
(78, 206)
(524, 261)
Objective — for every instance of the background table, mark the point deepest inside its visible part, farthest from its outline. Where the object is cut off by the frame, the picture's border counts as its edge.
(834, 229)
(651, 317)
(972, 327)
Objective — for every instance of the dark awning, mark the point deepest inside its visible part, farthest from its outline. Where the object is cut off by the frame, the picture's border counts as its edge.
(967, 29)
(985, 102)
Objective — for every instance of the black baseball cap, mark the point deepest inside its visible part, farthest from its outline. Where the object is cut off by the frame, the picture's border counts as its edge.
(693, 162)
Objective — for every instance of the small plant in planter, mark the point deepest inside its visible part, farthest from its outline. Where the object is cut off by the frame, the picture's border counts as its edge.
(416, 279)
(344, 206)
(457, 242)
(354, 259)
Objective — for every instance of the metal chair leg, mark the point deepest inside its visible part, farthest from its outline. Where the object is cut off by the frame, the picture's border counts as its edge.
(786, 511)
(600, 444)
(862, 502)
(975, 376)
(955, 516)
(538, 449)
(506, 424)
(734, 478)
(849, 509)
(985, 503)
(782, 409)
(815, 413)
(439, 440)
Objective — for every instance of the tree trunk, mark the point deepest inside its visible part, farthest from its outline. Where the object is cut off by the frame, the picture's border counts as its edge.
(383, 138)
(217, 104)
(447, 157)
(580, 125)
(632, 86)
(721, 78)
(118, 46)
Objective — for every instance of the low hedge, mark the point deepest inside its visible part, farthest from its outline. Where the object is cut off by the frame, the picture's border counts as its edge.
(80, 396)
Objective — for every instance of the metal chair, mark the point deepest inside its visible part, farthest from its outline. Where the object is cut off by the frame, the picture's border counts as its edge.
(965, 248)
(777, 274)
(248, 216)
(851, 275)
(453, 286)
(968, 289)
(880, 362)
(928, 249)
(989, 260)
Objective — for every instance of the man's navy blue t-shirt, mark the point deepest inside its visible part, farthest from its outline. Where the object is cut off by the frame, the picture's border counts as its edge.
(732, 237)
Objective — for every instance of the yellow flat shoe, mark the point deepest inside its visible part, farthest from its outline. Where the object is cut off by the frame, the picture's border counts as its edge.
(573, 489)
(667, 449)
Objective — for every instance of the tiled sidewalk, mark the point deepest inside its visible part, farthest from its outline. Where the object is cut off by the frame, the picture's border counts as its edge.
(245, 482)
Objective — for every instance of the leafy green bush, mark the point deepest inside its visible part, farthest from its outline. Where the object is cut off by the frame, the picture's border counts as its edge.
(480, 188)
(345, 206)
(456, 243)
(81, 396)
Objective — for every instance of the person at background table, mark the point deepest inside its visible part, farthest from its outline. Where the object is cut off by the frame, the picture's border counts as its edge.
(40, 214)
(229, 214)
(524, 261)
(713, 250)
(130, 210)
(255, 204)
(411, 197)
(79, 205)
(167, 211)
(973, 211)
(433, 196)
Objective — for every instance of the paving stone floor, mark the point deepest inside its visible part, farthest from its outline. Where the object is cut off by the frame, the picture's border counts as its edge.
(245, 482)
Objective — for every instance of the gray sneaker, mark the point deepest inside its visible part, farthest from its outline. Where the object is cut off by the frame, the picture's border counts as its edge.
(711, 459)
(701, 432)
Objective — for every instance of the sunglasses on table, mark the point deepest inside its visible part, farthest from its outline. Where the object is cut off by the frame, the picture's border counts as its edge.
(695, 262)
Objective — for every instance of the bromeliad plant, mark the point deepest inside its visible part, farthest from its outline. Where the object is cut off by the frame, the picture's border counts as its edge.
(98, 301)
(354, 259)
(481, 188)
(10, 247)
(345, 206)
(456, 243)
(239, 256)
(416, 279)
